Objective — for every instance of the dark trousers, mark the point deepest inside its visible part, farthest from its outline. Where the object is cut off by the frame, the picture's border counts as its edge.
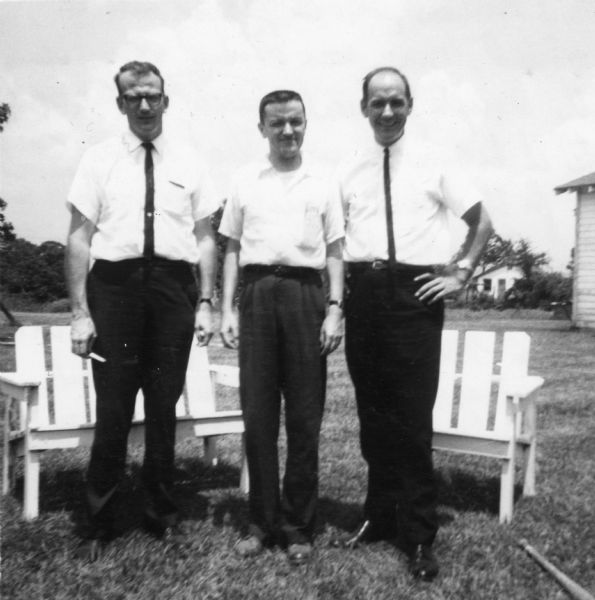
(393, 355)
(144, 316)
(280, 320)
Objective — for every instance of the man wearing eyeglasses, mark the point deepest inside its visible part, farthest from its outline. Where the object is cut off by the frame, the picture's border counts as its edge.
(140, 205)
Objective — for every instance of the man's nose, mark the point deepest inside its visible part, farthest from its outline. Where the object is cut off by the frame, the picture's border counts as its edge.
(144, 104)
(387, 111)
(287, 129)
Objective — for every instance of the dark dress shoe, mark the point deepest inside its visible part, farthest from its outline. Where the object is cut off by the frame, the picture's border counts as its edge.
(299, 554)
(366, 533)
(163, 527)
(422, 563)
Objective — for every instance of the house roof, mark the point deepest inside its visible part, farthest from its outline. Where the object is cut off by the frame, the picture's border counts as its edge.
(586, 181)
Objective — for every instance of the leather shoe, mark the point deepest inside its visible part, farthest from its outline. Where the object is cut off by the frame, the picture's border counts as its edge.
(163, 527)
(366, 533)
(299, 554)
(422, 563)
(249, 546)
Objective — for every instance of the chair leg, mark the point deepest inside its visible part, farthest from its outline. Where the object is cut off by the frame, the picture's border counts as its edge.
(7, 468)
(507, 490)
(529, 456)
(244, 476)
(530, 453)
(210, 444)
(31, 485)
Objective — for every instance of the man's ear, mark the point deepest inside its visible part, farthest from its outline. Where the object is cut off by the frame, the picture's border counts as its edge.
(364, 107)
(120, 103)
(410, 105)
(261, 129)
(165, 102)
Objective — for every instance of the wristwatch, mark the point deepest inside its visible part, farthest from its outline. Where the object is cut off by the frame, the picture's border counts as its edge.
(338, 303)
(206, 301)
(465, 264)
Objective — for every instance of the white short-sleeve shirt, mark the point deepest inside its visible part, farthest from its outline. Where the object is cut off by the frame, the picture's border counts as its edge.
(109, 189)
(282, 218)
(422, 193)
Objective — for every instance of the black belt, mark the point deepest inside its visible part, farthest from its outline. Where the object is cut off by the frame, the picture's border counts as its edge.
(280, 270)
(128, 265)
(383, 265)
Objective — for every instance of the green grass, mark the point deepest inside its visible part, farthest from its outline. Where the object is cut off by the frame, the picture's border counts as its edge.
(478, 556)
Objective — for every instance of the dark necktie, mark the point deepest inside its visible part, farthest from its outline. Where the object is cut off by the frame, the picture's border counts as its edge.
(392, 258)
(149, 246)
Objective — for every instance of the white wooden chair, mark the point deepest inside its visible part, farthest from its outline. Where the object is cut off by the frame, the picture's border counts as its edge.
(50, 404)
(489, 414)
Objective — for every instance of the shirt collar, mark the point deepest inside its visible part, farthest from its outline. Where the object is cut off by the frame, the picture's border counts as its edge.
(265, 166)
(132, 143)
(395, 149)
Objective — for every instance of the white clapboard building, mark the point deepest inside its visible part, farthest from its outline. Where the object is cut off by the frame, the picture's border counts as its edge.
(583, 292)
(496, 281)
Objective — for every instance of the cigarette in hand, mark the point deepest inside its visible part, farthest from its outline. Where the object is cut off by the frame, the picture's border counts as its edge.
(96, 357)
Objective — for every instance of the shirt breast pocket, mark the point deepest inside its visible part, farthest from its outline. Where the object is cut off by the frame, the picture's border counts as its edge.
(312, 228)
(173, 196)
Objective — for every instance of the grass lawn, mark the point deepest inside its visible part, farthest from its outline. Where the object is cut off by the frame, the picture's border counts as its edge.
(479, 559)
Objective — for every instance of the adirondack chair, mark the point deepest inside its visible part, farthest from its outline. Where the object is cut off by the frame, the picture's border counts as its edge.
(50, 404)
(482, 413)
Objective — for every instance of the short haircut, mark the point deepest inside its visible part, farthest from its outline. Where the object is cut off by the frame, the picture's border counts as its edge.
(138, 68)
(368, 78)
(278, 96)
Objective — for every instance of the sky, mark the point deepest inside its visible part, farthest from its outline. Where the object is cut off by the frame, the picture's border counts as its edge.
(506, 89)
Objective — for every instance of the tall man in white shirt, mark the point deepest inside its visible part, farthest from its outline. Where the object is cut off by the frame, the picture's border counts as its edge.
(397, 253)
(140, 204)
(284, 224)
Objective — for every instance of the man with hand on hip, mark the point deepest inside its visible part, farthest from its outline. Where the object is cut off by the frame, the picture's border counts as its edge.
(140, 205)
(284, 224)
(399, 270)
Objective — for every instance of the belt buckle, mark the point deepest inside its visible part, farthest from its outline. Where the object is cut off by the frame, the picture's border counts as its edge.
(278, 269)
(378, 264)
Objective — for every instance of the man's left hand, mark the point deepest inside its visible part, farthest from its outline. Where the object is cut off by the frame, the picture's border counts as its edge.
(331, 331)
(440, 285)
(203, 324)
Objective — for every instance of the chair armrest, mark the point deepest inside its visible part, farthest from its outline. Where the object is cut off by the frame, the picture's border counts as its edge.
(20, 393)
(522, 387)
(18, 380)
(225, 375)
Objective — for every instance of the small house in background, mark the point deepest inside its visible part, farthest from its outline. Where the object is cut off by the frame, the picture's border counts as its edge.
(495, 281)
(583, 290)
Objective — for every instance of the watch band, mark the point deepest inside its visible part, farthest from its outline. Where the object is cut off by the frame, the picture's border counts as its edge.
(338, 303)
(207, 300)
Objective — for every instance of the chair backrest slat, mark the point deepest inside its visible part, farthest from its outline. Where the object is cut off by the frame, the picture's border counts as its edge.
(199, 387)
(515, 364)
(442, 414)
(69, 380)
(478, 364)
(30, 360)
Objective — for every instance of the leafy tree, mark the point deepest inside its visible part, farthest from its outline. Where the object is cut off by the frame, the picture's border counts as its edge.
(4, 114)
(498, 251)
(528, 260)
(33, 271)
(6, 228)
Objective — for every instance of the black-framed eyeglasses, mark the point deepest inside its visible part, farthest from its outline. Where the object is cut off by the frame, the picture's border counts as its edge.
(134, 101)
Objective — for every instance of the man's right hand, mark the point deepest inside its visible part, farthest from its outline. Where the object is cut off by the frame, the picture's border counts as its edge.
(82, 335)
(230, 329)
